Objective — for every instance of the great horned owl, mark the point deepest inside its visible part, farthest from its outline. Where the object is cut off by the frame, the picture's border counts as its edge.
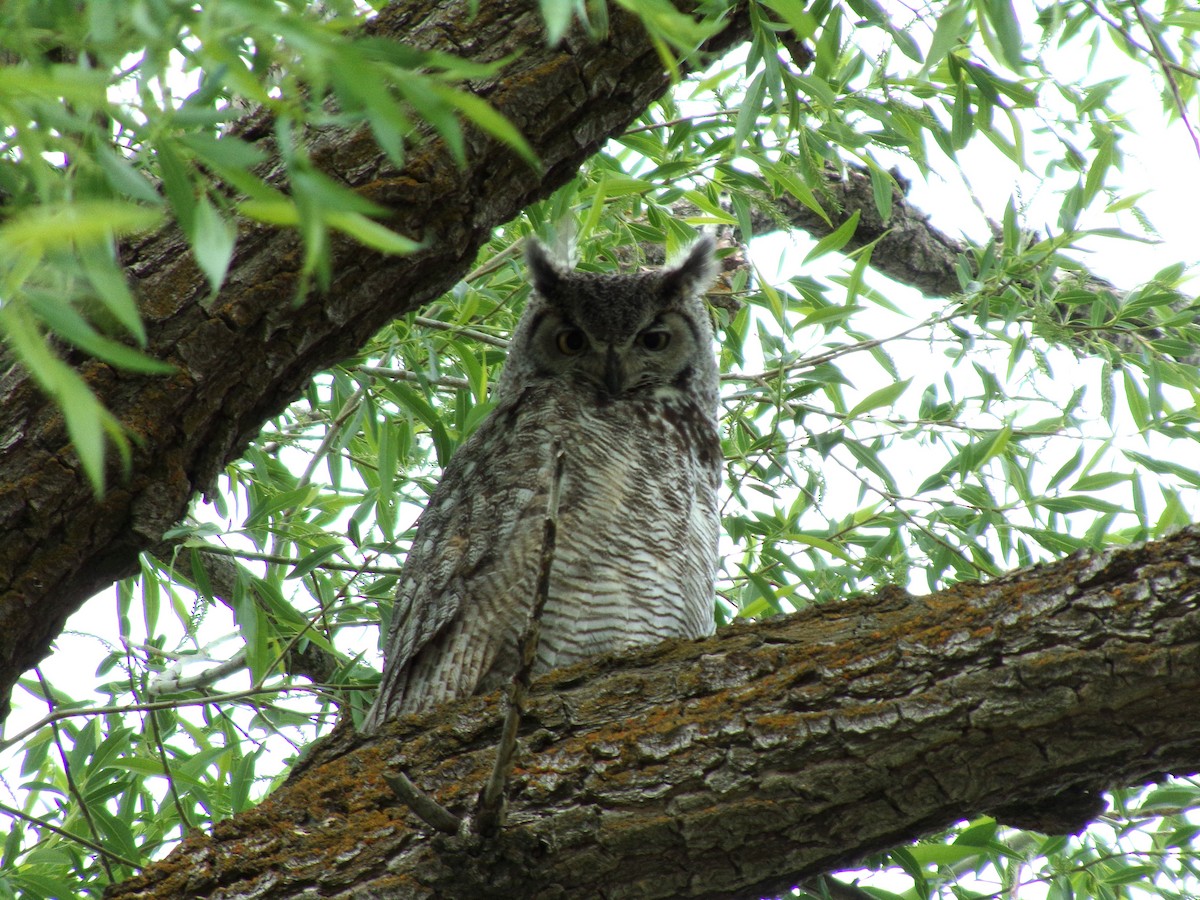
(618, 371)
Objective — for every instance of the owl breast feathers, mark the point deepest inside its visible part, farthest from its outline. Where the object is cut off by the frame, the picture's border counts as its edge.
(619, 372)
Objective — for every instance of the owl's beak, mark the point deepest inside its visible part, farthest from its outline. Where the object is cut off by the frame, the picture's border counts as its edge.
(614, 371)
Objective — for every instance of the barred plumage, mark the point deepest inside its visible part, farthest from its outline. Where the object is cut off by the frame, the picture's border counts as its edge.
(618, 371)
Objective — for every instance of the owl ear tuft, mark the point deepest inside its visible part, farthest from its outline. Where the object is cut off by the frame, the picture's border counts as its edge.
(545, 272)
(692, 275)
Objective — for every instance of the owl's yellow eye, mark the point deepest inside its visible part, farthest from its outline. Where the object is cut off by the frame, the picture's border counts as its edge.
(654, 341)
(571, 342)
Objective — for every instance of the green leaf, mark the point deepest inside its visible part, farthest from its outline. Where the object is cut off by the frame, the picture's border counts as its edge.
(1099, 167)
(794, 15)
(1164, 467)
(796, 186)
(943, 854)
(948, 34)
(854, 283)
(124, 178)
(1065, 471)
(881, 190)
(557, 15)
(906, 43)
(884, 396)
(751, 109)
(281, 211)
(828, 317)
(667, 24)
(1066, 505)
(483, 115)
(1139, 407)
(252, 626)
(1100, 481)
(212, 240)
(40, 229)
(61, 318)
(961, 117)
(311, 560)
(1008, 43)
(869, 458)
(108, 279)
(372, 234)
(1125, 203)
(819, 89)
(837, 240)
(177, 184)
(1011, 229)
(224, 152)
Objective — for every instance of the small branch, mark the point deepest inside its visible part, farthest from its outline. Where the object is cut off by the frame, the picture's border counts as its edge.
(285, 560)
(220, 566)
(820, 359)
(171, 682)
(474, 334)
(490, 808)
(185, 822)
(423, 806)
(1160, 57)
(332, 433)
(443, 381)
(96, 848)
(1133, 42)
(214, 700)
(72, 787)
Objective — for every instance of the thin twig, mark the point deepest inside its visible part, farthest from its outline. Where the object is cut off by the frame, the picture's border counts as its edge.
(349, 408)
(68, 835)
(490, 808)
(1157, 51)
(213, 700)
(820, 359)
(472, 333)
(283, 560)
(425, 807)
(444, 381)
(72, 787)
(1133, 42)
(185, 823)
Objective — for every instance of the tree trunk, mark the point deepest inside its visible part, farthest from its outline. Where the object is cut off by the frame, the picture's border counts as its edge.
(738, 765)
(244, 354)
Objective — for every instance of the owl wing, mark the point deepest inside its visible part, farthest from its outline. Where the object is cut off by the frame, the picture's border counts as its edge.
(468, 581)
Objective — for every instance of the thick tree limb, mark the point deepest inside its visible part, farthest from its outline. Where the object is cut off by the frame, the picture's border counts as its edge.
(910, 249)
(245, 353)
(738, 765)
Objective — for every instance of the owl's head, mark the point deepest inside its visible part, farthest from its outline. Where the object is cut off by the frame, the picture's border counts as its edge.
(623, 335)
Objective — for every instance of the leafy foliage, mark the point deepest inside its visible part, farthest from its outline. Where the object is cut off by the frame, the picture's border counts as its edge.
(872, 436)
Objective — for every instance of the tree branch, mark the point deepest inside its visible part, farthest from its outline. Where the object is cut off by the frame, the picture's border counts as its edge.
(742, 764)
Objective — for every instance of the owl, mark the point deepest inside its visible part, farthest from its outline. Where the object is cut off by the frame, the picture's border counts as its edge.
(619, 373)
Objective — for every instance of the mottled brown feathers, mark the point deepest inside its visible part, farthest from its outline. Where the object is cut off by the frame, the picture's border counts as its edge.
(619, 371)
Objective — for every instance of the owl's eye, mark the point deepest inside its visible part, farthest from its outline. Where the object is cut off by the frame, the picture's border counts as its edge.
(654, 341)
(571, 342)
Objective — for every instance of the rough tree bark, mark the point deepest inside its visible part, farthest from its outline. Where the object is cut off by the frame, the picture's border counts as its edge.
(738, 765)
(735, 765)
